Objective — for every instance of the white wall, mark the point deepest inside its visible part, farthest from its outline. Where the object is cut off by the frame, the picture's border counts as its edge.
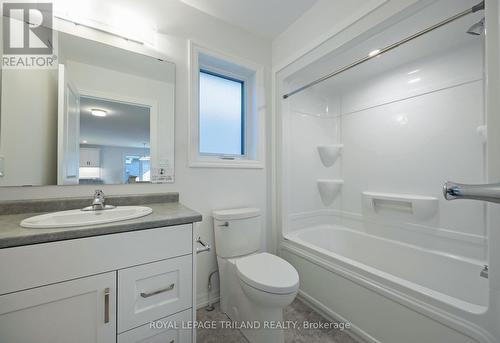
(201, 189)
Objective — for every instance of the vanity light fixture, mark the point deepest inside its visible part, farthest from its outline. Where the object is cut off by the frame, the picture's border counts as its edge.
(100, 29)
(98, 113)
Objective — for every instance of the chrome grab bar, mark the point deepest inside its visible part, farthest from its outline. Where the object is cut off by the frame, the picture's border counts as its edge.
(486, 192)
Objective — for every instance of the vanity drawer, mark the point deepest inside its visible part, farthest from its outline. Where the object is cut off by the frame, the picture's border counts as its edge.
(165, 330)
(154, 290)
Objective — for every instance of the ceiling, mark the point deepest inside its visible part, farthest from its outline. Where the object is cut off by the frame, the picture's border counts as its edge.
(267, 18)
(125, 125)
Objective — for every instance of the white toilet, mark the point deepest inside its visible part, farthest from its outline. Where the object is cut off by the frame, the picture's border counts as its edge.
(254, 286)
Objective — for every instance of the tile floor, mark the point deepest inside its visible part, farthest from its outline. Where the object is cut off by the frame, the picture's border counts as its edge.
(297, 311)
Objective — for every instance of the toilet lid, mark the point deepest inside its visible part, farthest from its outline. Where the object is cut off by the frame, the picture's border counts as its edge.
(268, 273)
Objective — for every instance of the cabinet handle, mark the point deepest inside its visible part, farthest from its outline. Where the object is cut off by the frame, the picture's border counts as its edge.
(150, 294)
(106, 305)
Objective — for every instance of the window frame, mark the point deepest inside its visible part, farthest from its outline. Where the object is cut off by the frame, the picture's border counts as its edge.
(243, 148)
(230, 67)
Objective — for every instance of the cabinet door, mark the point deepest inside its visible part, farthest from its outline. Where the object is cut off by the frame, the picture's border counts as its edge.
(173, 329)
(77, 311)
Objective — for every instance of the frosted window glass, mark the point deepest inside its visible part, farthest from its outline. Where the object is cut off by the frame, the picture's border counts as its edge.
(221, 115)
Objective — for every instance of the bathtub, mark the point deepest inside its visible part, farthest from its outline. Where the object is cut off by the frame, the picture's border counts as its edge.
(400, 294)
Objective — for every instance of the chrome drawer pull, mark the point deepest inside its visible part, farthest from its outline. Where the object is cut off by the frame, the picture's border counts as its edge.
(106, 305)
(150, 294)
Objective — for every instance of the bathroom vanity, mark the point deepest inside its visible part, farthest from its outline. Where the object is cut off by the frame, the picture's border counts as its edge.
(104, 283)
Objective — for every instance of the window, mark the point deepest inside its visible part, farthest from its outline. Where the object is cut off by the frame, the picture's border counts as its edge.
(222, 115)
(226, 118)
(137, 169)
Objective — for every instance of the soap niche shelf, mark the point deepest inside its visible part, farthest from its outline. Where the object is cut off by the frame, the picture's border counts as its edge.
(328, 189)
(418, 206)
(329, 153)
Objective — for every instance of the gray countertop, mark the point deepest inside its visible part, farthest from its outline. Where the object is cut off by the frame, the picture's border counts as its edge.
(164, 214)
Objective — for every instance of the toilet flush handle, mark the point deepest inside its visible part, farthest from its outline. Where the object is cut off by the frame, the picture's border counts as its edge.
(225, 224)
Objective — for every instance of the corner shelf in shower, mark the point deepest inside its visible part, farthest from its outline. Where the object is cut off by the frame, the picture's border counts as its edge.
(329, 153)
(328, 189)
(418, 206)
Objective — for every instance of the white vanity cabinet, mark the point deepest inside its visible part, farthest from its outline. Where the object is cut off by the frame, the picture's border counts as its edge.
(81, 310)
(102, 289)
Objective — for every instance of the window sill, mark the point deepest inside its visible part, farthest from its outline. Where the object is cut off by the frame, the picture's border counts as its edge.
(230, 164)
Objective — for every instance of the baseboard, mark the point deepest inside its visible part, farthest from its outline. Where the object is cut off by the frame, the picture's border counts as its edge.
(202, 299)
(355, 332)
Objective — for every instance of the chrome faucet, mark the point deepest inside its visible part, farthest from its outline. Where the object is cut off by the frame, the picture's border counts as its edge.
(99, 202)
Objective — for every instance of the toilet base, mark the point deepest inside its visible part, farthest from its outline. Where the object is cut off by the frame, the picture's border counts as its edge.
(239, 307)
(245, 311)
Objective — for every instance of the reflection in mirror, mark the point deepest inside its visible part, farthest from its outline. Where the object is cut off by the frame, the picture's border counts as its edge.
(114, 142)
(104, 116)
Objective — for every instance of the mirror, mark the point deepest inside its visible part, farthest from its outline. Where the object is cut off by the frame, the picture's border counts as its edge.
(114, 141)
(105, 115)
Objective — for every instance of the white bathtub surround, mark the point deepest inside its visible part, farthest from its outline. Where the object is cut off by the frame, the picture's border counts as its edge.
(397, 136)
(389, 243)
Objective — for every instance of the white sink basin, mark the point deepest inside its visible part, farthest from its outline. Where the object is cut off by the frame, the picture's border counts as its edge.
(73, 218)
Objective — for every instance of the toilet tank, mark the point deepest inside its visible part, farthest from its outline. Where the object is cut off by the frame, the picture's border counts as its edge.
(237, 231)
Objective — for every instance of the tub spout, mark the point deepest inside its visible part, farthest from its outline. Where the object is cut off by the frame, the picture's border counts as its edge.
(487, 192)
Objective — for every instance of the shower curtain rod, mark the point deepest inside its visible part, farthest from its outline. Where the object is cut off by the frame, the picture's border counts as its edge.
(373, 54)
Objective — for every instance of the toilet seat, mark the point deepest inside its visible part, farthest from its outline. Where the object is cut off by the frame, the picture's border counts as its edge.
(268, 273)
